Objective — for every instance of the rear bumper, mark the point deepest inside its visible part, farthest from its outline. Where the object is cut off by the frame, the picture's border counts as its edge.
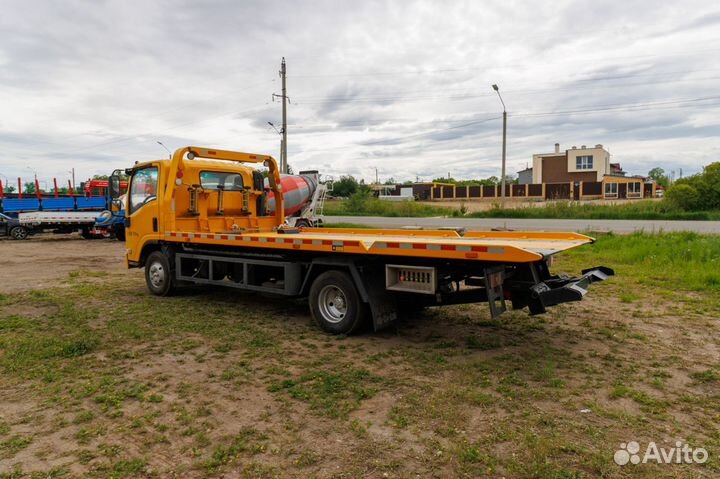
(564, 289)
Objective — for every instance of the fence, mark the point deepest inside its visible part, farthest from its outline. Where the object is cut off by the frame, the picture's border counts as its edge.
(621, 188)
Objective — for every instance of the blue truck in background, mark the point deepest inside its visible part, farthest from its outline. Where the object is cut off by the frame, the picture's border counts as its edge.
(110, 219)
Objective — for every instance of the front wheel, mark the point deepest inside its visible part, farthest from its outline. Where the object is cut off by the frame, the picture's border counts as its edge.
(335, 303)
(158, 275)
(19, 233)
(120, 233)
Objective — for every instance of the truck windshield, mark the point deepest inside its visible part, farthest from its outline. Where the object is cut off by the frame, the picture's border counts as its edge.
(214, 180)
(143, 188)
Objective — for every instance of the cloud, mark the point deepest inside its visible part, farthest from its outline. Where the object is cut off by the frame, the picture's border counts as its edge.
(398, 86)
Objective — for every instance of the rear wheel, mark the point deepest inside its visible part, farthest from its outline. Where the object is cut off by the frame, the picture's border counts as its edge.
(19, 233)
(335, 303)
(158, 274)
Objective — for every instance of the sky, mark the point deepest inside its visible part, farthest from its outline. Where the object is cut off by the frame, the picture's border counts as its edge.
(398, 87)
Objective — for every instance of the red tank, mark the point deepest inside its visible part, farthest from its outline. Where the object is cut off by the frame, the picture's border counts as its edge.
(297, 191)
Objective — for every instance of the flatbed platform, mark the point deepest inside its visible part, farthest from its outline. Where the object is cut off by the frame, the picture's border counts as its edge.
(495, 246)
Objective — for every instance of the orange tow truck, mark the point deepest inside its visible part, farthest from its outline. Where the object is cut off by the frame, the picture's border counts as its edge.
(206, 217)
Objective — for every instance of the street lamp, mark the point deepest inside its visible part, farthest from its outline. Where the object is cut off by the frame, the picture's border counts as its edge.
(34, 172)
(502, 183)
(166, 148)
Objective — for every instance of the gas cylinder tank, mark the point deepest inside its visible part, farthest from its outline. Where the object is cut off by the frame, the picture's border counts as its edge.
(297, 192)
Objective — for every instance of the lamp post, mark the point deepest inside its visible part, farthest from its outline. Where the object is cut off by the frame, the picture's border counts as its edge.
(166, 148)
(502, 181)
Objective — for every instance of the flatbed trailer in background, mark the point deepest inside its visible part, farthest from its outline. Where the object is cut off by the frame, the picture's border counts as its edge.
(203, 218)
(83, 222)
(62, 203)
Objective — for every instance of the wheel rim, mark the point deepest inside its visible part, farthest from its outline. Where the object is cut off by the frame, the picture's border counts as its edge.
(157, 275)
(332, 304)
(19, 233)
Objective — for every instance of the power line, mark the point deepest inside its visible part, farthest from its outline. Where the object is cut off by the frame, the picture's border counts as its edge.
(620, 107)
(614, 107)
(135, 136)
(702, 48)
(440, 130)
(465, 94)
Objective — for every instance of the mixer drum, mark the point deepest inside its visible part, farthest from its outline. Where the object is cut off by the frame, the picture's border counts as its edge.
(297, 192)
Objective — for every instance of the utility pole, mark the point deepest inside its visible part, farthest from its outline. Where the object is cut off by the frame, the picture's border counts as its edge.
(283, 72)
(502, 183)
(283, 129)
(377, 181)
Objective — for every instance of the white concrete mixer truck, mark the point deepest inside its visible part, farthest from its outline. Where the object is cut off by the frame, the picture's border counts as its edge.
(304, 198)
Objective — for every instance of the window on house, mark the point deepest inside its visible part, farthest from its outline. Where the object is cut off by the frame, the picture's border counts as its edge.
(584, 162)
(634, 188)
(611, 189)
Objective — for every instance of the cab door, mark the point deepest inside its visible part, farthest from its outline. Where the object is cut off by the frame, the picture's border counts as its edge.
(141, 223)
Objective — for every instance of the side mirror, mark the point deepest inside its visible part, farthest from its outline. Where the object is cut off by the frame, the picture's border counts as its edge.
(114, 185)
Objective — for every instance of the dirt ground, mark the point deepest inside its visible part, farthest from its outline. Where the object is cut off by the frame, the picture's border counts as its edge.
(100, 379)
(38, 261)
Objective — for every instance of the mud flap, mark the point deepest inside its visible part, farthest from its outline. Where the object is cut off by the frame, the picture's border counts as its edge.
(383, 306)
(494, 278)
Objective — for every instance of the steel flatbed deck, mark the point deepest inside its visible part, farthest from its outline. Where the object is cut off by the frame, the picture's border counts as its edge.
(505, 247)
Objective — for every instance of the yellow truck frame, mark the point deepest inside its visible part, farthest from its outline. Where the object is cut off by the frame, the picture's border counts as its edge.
(201, 217)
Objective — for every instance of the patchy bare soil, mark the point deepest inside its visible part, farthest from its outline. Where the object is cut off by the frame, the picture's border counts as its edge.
(40, 261)
(100, 379)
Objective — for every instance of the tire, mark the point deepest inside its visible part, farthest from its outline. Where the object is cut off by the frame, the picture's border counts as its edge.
(335, 303)
(159, 276)
(19, 233)
(302, 223)
(120, 233)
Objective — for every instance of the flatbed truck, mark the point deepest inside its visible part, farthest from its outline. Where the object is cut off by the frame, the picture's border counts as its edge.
(202, 218)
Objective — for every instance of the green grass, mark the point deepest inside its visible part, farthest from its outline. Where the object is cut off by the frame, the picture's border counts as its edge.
(330, 393)
(374, 207)
(673, 261)
(628, 210)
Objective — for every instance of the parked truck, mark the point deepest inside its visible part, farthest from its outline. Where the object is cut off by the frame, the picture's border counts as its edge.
(204, 217)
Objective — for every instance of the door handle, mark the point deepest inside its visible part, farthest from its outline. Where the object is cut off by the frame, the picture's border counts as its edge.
(155, 225)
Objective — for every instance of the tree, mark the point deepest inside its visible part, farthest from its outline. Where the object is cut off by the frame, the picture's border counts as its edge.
(684, 197)
(345, 186)
(29, 188)
(9, 189)
(658, 175)
(442, 179)
(699, 192)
